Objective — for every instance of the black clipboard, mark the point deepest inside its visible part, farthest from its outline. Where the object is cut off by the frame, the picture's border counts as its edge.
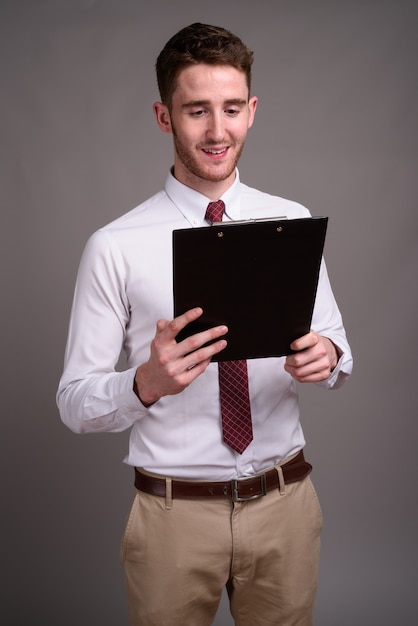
(259, 278)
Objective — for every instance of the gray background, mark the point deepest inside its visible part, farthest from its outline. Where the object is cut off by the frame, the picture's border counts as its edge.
(336, 129)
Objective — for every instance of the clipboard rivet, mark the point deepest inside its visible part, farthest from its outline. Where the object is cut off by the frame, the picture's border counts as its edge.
(279, 229)
(220, 234)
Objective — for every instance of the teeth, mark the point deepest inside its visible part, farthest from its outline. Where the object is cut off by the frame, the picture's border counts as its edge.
(216, 151)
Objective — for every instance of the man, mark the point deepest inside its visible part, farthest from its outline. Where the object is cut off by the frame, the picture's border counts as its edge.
(204, 515)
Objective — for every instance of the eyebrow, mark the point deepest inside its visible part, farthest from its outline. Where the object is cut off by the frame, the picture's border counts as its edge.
(201, 103)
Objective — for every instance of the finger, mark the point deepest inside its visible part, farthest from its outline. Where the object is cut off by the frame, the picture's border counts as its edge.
(201, 358)
(181, 321)
(198, 340)
(161, 326)
(310, 372)
(306, 341)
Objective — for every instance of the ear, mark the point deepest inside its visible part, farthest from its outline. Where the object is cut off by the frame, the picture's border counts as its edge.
(162, 116)
(252, 105)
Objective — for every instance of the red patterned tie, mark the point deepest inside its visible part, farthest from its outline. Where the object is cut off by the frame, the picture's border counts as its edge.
(233, 381)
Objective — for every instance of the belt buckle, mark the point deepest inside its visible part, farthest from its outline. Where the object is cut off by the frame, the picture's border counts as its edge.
(235, 490)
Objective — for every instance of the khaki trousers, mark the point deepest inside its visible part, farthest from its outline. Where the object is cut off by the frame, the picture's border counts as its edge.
(266, 552)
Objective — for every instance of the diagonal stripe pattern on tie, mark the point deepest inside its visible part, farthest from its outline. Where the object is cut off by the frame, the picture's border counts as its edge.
(233, 381)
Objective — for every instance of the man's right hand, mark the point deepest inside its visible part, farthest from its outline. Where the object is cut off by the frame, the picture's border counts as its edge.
(173, 366)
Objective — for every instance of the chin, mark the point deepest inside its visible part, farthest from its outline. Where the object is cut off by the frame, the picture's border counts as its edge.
(219, 174)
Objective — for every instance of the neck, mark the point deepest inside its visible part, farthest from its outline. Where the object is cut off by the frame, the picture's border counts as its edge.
(213, 190)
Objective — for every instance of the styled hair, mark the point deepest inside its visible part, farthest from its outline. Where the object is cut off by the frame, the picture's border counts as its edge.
(200, 43)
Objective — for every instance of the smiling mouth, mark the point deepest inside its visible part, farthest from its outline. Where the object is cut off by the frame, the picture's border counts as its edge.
(216, 152)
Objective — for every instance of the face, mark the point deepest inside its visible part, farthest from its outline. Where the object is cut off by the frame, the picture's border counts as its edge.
(209, 118)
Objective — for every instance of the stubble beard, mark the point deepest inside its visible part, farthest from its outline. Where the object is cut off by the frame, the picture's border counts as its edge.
(197, 170)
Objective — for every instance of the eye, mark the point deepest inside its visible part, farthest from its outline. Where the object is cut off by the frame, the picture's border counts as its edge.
(232, 112)
(197, 113)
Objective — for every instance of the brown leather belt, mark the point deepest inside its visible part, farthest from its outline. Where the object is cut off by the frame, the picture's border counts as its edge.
(238, 490)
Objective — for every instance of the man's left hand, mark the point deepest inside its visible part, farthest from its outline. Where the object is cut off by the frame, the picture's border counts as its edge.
(314, 359)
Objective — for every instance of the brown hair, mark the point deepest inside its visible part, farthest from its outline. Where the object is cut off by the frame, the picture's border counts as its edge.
(200, 43)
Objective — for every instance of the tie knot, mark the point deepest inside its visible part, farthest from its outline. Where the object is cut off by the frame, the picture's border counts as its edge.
(215, 211)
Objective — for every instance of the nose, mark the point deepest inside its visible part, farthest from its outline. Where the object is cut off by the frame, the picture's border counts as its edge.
(215, 128)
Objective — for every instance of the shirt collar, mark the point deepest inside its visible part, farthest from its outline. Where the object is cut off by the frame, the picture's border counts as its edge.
(193, 204)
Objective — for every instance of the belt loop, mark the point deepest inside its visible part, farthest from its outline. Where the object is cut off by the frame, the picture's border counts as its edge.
(168, 493)
(282, 487)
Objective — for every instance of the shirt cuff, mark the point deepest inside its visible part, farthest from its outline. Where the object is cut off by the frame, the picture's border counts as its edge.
(339, 374)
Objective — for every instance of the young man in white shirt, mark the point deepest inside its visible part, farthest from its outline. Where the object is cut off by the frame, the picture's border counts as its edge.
(204, 515)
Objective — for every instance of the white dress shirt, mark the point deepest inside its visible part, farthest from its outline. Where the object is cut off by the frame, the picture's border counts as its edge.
(124, 286)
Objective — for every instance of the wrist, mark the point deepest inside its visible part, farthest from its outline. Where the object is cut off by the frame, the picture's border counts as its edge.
(141, 388)
(334, 356)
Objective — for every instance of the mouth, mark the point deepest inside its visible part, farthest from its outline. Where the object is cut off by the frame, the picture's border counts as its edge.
(215, 152)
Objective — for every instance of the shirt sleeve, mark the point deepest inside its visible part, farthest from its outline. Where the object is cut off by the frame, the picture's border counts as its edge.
(92, 396)
(327, 321)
